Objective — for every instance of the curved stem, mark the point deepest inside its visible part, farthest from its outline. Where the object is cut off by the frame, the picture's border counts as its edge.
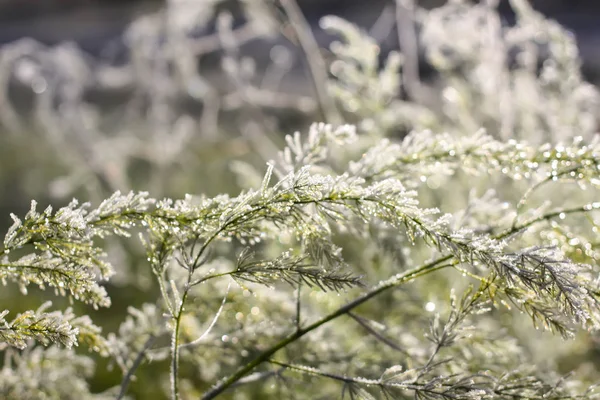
(407, 39)
(536, 186)
(207, 277)
(381, 338)
(175, 349)
(546, 217)
(136, 363)
(316, 63)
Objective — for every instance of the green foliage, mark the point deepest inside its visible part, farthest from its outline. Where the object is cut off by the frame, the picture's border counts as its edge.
(356, 263)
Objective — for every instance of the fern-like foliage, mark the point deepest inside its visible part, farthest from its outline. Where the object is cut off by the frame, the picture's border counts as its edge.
(556, 292)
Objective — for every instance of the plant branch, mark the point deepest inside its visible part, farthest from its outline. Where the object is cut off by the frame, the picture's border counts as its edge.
(407, 39)
(546, 217)
(136, 363)
(361, 321)
(382, 287)
(316, 64)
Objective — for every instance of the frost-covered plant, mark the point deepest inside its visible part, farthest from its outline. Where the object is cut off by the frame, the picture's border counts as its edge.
(285, 231)
(444, 246)
(500, 84)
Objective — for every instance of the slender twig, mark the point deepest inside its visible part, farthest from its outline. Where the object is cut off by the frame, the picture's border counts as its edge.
(384, 24)
(313, 371)
(213, 322)
(175, 347)
(544, 217)
(136, 363)
(536, 186)
(257, 376)
(208, 277)
(361, 321)
(407, 39)
(298, 305)
(192, 268)
(418, 387)
(316, 63)
(175, 336)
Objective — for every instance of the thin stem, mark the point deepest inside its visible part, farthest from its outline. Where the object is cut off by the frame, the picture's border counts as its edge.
(536, 186)
(136, 363)
(206, 278)
(213, 322)
(376, 334)
(407, 39)
(175, 348)
(544, 217)
(316, 64)
(313, 371)
(525, 197)
(298, 305)
(418, 388)
(163, 292)
(255, 377)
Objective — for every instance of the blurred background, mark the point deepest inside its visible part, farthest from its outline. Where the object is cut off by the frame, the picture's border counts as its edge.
(85, 71)
(97, 25)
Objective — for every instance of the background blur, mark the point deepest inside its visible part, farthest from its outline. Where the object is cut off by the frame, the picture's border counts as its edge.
(97, 26)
